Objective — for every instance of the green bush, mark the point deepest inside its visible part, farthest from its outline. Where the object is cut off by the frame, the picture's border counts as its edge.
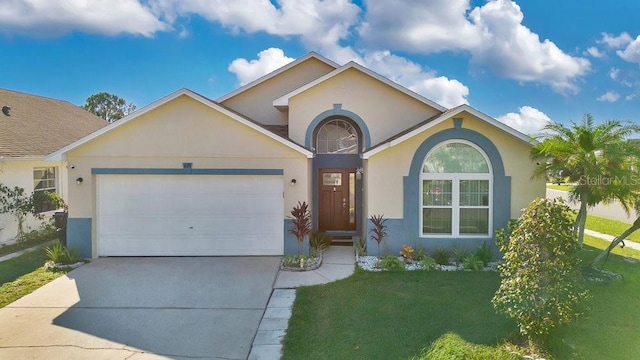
(59, 254)
(46, 233)
(472, 262)
(419, 253)
(459, 254)
(428, 263)
(484, 254)
(451, 346)
(390, 263)
(541, 285)
(441, 256)
(318, 242)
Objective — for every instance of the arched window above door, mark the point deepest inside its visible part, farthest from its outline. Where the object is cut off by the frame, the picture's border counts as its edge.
(337, 137)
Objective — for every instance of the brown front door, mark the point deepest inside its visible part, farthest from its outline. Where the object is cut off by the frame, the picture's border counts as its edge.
(337, 200)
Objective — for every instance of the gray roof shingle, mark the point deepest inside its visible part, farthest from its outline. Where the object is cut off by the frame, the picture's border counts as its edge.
(37, 126)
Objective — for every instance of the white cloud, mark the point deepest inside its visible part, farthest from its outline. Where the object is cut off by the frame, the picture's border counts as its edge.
(593, 51)
(613, 73)
(528, 120)
(609, 96)
(55, 18)
(615, 42)
(268, 61)
(493, 34)
(444, 91)
(427, 27)
(321, 24)
(630, 97)
(632, 52)
(511, 50)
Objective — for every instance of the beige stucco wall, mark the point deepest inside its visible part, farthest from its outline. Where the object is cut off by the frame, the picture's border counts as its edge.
(20, 173)
(385, 110)
(183, 130)
(257, 102)
(385, 186)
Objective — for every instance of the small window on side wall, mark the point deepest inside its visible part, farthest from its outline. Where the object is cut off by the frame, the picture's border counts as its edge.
(44, 180)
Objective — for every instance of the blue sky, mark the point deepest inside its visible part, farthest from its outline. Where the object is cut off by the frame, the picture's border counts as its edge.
(522, 62)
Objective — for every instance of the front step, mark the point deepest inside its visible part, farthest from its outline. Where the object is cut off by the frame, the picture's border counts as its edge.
(341, 241)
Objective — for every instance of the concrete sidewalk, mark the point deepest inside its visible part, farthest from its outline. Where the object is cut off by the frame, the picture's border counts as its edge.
(338, 262)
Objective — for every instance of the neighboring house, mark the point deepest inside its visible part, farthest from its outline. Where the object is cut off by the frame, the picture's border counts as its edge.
(187, 175)
(32, 127)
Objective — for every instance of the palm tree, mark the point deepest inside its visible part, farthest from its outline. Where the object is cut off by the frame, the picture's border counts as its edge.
(595, 158)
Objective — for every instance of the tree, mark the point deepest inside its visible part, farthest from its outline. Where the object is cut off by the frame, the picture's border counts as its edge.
(110, 107)
(595, 159)
(16, 202)
(541, 275)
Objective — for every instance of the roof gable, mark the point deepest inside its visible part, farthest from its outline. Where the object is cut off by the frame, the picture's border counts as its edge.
(60, 154)
(275, 73)
(283, 101)
(431, 122)
(36, 126)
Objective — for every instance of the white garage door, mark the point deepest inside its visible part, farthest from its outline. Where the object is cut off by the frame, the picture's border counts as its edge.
(189, 215)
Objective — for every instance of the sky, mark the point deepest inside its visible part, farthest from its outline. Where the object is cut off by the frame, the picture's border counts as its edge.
(522, 62)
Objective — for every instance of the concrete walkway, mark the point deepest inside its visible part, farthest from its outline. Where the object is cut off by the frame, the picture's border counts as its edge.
(338, 262)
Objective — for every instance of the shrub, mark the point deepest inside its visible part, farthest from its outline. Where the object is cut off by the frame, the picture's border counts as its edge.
(419, 253)
(360, 245)
(391, 263)
(540, 286)
(441, 256)
(59, 254)
(379, 230)
(428, 263)
(301, 227)
(459, 254)
(472, 262)
(406, 252)
(318, 242)
(451, 346)
(484, 254)
(46, 233)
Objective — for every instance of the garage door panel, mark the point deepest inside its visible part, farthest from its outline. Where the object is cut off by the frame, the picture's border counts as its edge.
(164, 215)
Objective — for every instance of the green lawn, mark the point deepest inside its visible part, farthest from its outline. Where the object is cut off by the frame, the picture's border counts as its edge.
(559, 187)
(22, 275)
(610, 227)
(396, 315)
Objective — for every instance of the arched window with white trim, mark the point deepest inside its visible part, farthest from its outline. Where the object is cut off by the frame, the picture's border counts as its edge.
(456, 186)
(337, 137)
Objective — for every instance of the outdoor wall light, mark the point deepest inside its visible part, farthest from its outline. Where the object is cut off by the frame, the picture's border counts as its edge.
(293, 182)
(79, 180)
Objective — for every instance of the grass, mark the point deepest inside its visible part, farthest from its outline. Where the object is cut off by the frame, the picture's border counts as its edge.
(22, 275)
(610, 227)
(559, 187)
(404, 315)
(33, 238)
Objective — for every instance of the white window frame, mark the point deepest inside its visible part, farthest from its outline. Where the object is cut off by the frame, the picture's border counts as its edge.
(49, 189)
(455, 179)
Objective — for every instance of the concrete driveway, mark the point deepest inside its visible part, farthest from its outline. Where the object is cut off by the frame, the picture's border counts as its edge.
(143, 308)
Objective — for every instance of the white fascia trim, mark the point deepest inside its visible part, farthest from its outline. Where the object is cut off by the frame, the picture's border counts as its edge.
(283, 101)
(276, 72)
(448, 115)
(60, 155)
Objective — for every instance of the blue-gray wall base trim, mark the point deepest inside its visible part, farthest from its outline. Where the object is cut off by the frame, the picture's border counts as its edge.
(79, 236)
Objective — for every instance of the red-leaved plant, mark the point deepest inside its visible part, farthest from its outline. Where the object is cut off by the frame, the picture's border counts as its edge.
(301, 227)
(379, 231)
